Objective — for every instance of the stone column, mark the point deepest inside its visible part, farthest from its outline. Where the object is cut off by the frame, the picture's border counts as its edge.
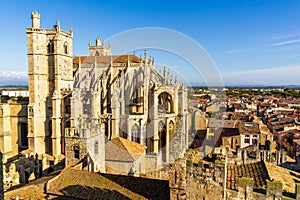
(297, 191)
(141, 131)
(274, 190)
(175, 100)
(128, 130)
(278, 157)
(167, 141)
(22, 174)
(56, 124)
(283, 156)
(245, 188)
(115, 118)
(45, 165)
(155, 124)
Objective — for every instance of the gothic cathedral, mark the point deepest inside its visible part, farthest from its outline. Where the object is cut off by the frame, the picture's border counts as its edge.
(79, 103)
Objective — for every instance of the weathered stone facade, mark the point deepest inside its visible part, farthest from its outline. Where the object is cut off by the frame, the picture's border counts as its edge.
(50, 76)
(98, 97)
(13, 128)
(1, 178)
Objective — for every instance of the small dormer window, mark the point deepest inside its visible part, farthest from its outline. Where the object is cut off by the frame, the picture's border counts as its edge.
(65, 48)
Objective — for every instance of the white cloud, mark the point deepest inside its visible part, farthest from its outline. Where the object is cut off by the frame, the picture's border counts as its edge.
(13, 74)
(13, 78)
(239, 50)
(270, 76)
(285, 43)
(277, 44)
(286, 36)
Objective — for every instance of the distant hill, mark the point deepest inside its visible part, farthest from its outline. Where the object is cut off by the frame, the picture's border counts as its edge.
(13, 87)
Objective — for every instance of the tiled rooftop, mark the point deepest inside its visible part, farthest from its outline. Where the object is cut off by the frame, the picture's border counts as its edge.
(256, 170)
(89, 185)
(106, 59)
(287, 177)
(120, 149)
(31, 192)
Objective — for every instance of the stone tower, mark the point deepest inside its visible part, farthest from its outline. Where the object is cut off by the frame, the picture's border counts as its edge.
(99, 49)
(50, 76)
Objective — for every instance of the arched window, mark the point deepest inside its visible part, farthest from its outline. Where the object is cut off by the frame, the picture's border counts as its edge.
(162, 139)
(50, 47)
(165, 103)
(76, 152)
(65, 48)
(135, 135)
(171, 131)
(96, 148)
(24, 133)
(97, 53)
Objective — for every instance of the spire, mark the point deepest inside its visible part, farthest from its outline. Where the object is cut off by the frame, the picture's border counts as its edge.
(164, 73)
(145, 55)
(98, 42)
(35, 17)
(169, 77)
(152, 61)
(58, 25)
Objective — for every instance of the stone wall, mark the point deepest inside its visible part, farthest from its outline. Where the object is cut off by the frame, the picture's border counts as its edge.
(202, 182)
(12, 114)
(71, 142)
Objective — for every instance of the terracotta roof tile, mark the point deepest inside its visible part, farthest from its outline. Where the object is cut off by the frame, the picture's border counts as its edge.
(256, 170)
(107, 59)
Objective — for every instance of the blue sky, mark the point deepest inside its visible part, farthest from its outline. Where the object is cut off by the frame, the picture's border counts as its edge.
(250, 41)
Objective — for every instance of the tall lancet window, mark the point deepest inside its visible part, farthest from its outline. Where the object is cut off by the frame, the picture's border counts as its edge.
(66, 48)
(96, 148)
(76, 152)
(135, 135)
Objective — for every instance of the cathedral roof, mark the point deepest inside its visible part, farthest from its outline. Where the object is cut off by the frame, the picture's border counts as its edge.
(88, 185)
(80, 184)
(120, 149)
(107, 59)
(27, 192)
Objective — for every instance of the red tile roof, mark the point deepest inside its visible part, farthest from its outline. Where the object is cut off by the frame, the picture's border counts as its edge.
(107, 59)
